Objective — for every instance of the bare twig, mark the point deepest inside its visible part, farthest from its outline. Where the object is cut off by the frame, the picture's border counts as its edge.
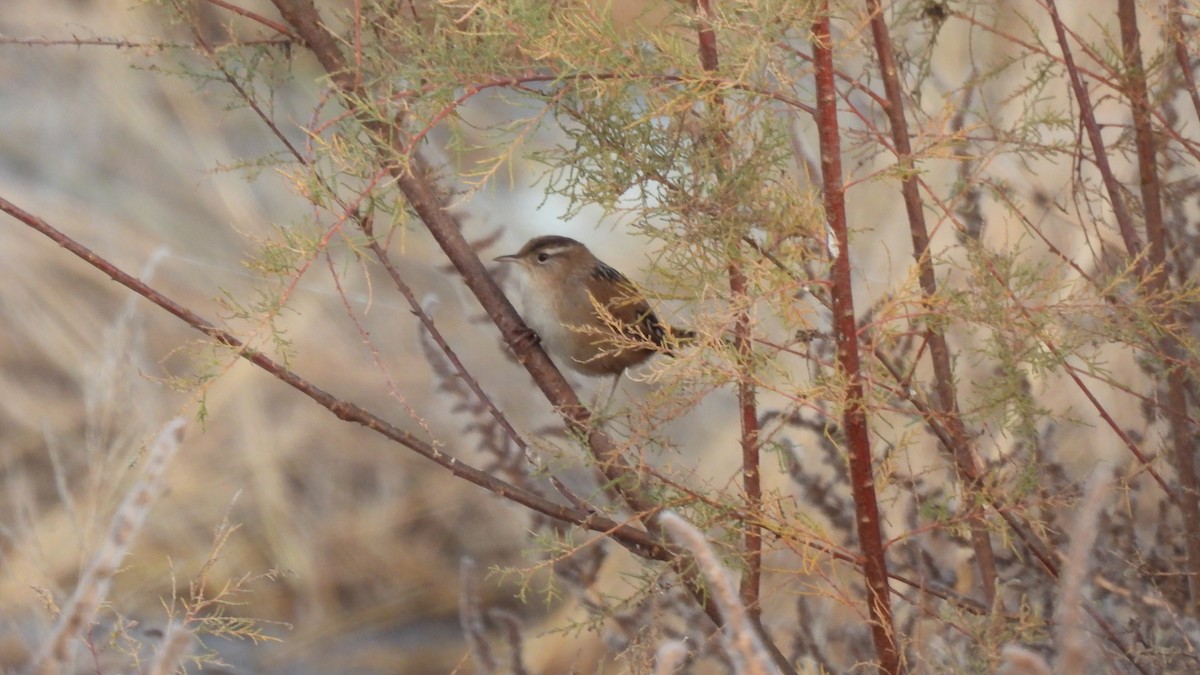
(257, 18)
(1175, 33)
(122, 43)
(435, 334)
(947, 411)
(242, 92)
(1087, 114)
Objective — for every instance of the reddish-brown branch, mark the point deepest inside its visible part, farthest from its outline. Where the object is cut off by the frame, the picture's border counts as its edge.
(412, 177)
(750, 587)
(1087, 115)
(245, 94)
(257, 18)
(751, 471)
(435, 334)
(1175, 32)
(845, 327)
(743, 341)
(121, 43)
(709, 59)
(939, 353)
(1158, 285)
(1135, 89)
(638, 540)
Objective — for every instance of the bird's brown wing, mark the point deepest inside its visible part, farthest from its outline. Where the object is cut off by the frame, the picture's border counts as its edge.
(620, 297)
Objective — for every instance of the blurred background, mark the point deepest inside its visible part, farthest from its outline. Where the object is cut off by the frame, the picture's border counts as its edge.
(344, 547)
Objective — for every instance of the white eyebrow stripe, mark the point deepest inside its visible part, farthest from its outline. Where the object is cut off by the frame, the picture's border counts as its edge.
(553, 249)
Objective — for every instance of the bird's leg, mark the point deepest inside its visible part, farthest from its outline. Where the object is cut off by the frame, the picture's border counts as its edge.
(524, 340)
(603, 411)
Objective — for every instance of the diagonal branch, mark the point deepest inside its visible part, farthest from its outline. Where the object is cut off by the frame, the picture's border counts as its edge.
(1087, 115)
(257, 18)
(637, 540)
(959, 445)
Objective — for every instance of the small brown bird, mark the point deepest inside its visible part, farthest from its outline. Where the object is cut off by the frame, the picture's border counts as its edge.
(586, 313)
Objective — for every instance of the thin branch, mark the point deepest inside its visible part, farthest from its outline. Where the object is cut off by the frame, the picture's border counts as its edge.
(242, 92)
(122, 43)
(960, 446)
(1175, 34)
(637, 540)
(1087, 115)
(257, 18)
(1190, 146)
(743, 339)
(748, 414)
(436, 335)
(1158, 283)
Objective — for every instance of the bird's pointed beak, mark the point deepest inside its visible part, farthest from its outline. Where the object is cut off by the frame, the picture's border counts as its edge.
(506, 258)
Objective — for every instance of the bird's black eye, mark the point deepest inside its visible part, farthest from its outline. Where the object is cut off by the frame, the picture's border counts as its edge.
(543, 257)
